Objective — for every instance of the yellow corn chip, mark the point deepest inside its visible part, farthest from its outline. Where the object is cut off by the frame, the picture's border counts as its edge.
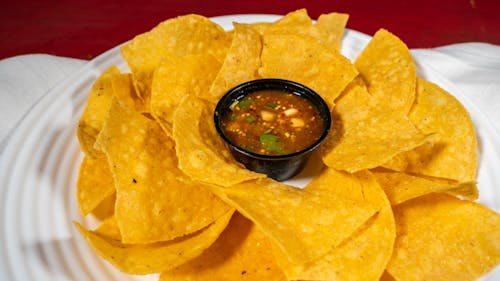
(241, 63)
(366, 135)
(332, 25)
(153, 203)
(363, 256)
(184, 35)
(387, 277)
(295, 20)
(440, 237)
(106, 208)
(94, 184)
(388, 69)
(452, 153)
(401, 187)
(90, 123)
(109, 229)
(306, 61)
(307, 223)
(328, 29)
(123, 89)
(202, 154)
(156, 257)
(241, 252)
(177, 77)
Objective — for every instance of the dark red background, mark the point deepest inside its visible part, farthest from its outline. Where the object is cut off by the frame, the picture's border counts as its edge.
(86, 28)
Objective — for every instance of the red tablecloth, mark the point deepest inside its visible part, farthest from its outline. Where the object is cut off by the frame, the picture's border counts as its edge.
(84, 29)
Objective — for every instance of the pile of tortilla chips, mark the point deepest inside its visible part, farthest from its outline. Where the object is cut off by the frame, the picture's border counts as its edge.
(393, 201)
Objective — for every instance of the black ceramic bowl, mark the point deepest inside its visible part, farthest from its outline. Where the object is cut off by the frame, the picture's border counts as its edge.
(279, 167)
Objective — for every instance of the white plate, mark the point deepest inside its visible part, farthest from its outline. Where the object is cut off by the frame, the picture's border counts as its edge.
(40, 163)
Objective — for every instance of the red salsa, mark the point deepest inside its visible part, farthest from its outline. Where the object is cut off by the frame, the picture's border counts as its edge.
(272, 122)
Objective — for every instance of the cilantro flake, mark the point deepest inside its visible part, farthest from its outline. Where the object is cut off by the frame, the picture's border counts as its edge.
(250, 119)
(271, 142)
(246, 102)
(271, 104)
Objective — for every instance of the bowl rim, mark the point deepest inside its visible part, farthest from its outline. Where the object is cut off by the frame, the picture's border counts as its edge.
(284, 85)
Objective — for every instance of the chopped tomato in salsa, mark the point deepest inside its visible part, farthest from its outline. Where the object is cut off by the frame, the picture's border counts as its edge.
(273, 122)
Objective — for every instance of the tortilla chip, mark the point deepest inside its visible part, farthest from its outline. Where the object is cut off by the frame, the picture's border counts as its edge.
(363, 256)
(466, 190)
(183, 35)
(295, 20)
(241, 63)
(177, 77)
(90, 122)
(328, 29)
(401, 187)
(366, 135)
(94, 184)
(123, 89)
(106, 208)
(153, 202)
(202, 154)
(157, 257)
(387, 277)
(241, 252)
(309, 62)
(439, 236)
(452, 154)
(332, 25)
(388, 69)
(109, 229)
(339, 203)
